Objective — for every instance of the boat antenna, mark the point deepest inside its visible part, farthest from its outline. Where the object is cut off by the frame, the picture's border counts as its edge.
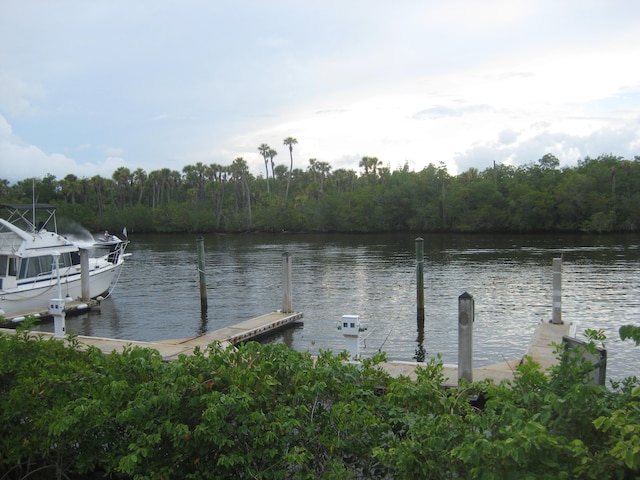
(33, 203)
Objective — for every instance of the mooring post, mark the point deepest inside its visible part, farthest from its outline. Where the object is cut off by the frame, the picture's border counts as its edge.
(557, 292)
(287, 306)
(56, 305)
(201, 275)
(465, 336)
(420, 283)
(85, 290)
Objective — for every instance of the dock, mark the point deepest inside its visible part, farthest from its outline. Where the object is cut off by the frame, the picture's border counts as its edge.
(541, 350)
(541, 346)
(72, 307)
(171, 349)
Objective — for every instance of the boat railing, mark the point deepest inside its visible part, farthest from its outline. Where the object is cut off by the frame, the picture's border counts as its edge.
(49, 275)
(40, 277)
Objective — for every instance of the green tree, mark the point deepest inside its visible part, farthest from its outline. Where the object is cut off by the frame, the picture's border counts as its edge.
(272, 153)
(122, 178)
(325, 170)
(289, 142)
(264, 151)
(240, 176)
(70, 187)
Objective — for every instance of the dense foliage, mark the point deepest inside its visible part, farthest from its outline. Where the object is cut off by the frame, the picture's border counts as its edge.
(270, 412)
(597, 195)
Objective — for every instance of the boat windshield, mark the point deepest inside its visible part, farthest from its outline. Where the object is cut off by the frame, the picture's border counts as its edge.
(43, 265)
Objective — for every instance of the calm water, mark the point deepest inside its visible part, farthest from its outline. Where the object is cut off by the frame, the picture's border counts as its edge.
(374, 276)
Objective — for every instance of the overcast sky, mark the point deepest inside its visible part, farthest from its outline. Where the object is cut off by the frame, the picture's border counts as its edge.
(89, 86)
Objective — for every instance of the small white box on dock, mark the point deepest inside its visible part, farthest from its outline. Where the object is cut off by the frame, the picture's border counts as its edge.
(56, 306)
(351, 325)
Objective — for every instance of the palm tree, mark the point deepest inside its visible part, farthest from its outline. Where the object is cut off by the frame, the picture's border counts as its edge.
(217, 188)
(324, 168)
(344, 180)
(272, 153)
(365, 163)
(264, 151)
(313, 167)
(444, 175)
(139, 179)
(240, 172)
(70, 187)
(122, 178)
(290, 142)
(99, 189)
(374, 163)
(280, 172)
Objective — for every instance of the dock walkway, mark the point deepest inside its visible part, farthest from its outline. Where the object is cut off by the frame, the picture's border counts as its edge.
(171, 349)
(72, 307)
(540, 349)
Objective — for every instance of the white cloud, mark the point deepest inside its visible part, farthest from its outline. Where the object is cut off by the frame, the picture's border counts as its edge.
(19, 161)
(458, 81)
(620, 141)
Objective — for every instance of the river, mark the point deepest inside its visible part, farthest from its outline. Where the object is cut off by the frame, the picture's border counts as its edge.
(510, 277)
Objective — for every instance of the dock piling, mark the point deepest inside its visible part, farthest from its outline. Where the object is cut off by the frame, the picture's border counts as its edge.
(465, 336)
(287, 304)
(85, 290)
(556, 319)
(420, 283)
(421, 353)
(56, 305)
(201, 274)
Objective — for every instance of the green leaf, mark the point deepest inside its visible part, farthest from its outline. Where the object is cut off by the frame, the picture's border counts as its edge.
(630, 332)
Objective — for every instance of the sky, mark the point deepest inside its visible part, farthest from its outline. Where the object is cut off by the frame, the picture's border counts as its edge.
(87, 87)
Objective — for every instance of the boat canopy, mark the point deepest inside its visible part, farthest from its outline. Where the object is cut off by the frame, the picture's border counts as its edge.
(30, 213)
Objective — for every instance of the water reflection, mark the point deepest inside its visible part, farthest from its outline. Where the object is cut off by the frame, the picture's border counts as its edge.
(421, 353)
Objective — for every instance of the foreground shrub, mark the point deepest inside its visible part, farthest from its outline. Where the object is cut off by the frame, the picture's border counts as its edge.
(265, 411)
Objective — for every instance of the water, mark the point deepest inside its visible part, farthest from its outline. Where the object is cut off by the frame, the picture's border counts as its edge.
(374, 276)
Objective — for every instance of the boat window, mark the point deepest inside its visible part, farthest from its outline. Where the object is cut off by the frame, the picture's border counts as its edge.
(65, 259)
(12, 267)
(24, 269)
(4, 260)
(32, 267)
(45, 264)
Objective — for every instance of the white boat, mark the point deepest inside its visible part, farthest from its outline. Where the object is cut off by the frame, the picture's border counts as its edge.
(28, 274)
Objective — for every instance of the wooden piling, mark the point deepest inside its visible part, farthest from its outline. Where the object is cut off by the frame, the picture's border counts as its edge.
(420, 284)
(287, 304)
(556, 319)
(465, 336)
(85, 290)
(201, 274)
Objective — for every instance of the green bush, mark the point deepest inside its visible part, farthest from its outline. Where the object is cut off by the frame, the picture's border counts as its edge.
(265, 411)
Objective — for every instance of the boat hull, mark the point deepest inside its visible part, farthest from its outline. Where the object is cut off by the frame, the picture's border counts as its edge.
(35, 297)
(38, 265)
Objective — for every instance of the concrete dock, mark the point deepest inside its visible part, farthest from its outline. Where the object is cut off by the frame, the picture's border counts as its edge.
(171, 349)
(541, 346)
(72, 307)
(541, 350)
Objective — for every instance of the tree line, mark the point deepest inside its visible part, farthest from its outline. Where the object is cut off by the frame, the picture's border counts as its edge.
(597, 195)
